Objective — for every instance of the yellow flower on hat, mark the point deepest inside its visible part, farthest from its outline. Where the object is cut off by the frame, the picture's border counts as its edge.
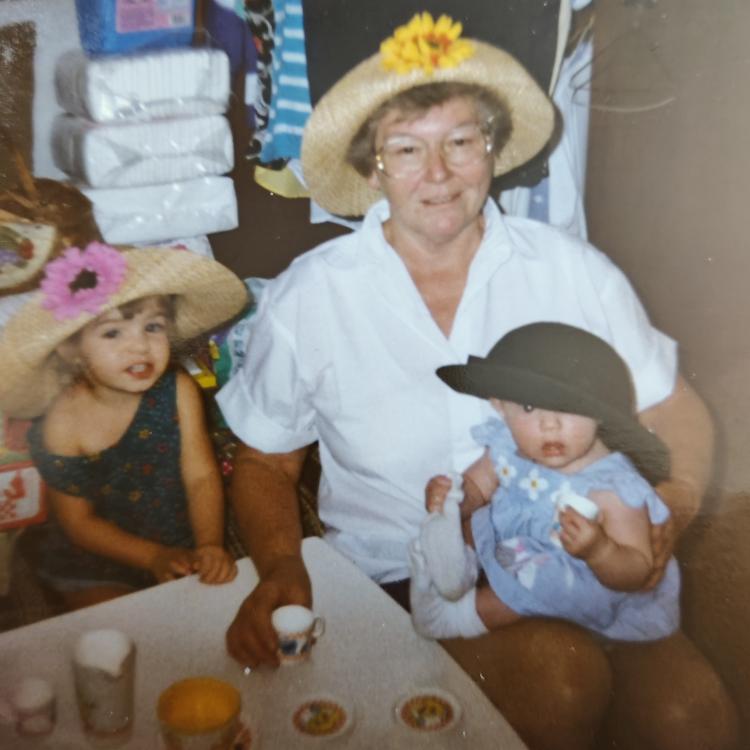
(427, 44)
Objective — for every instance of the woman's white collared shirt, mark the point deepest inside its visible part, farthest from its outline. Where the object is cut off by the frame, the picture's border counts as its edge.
(343, 350)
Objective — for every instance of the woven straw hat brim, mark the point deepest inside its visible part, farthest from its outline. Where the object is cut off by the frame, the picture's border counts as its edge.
(340, 113)
(620, 430)
(206, 295)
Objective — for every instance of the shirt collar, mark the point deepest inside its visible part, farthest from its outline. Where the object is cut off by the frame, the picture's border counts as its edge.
(496, 248)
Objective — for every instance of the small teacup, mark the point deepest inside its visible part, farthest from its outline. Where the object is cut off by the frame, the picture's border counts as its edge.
(298, 629)
(199, 713)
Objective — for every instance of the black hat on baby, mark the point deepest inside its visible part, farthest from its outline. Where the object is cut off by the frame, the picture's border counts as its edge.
(560, 367)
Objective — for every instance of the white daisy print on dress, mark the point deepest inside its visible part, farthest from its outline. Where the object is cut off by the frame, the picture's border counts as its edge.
(533, 484)
(505, 471)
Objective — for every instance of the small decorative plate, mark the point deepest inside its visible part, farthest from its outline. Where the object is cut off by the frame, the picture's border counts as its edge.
(428, 710)
(322, 717)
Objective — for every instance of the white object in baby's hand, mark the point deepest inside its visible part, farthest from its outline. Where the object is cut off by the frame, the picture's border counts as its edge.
(587, 508)
(456, 492)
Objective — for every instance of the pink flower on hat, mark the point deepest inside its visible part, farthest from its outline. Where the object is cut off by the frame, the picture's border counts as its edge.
(82, 280)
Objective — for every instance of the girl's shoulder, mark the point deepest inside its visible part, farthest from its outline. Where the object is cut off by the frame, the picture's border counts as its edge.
(60, 425)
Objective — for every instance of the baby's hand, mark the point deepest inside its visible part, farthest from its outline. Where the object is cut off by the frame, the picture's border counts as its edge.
(170, 563)
(580, 537)
(214, 564)
(436, 493)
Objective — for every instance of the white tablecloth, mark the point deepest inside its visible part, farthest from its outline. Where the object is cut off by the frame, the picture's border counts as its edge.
(368, 657)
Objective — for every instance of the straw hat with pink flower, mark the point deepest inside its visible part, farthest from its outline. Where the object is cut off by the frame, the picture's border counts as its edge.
(80, 285)
(420, 52)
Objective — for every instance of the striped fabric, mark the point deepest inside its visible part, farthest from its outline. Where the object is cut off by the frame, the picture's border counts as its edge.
(290, 102)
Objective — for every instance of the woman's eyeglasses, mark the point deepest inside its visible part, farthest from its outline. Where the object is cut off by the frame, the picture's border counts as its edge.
(406, 155)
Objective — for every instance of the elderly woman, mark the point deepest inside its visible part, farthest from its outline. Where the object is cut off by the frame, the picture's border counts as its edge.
(343, 352)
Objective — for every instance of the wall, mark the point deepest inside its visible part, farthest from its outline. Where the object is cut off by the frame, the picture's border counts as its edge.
(669, 176)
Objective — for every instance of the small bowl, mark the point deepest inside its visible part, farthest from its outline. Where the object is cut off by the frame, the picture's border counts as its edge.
(199, 713)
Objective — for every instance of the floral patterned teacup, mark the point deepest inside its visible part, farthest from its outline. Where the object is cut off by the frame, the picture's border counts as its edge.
(298, 628)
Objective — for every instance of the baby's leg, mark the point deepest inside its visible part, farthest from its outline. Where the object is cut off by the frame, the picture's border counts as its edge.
(452, 565)
(493, 612)
(433, 616)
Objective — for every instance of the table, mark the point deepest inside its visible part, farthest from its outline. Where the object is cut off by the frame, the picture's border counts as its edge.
(368, 657)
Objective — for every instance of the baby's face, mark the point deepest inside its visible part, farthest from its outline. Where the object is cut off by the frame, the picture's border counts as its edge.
(558, 440)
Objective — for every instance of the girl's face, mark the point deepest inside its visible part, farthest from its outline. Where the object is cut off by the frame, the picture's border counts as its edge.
(126, 352)
(558, 440)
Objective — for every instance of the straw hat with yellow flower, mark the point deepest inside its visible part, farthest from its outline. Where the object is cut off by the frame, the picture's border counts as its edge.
(420, 52)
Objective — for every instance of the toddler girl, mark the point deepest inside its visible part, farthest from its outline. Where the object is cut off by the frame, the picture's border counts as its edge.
(120, 436)
(567, 531)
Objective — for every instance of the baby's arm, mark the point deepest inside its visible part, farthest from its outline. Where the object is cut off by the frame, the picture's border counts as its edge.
(95, 534)
(616, 546)
(202, 480)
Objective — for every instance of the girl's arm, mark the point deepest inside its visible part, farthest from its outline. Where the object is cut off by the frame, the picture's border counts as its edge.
(616, 547)
(95, 534)
(203, 486)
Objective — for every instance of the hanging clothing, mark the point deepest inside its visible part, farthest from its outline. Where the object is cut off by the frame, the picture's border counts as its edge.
(290, 98)
(261, 20)
(228, 31)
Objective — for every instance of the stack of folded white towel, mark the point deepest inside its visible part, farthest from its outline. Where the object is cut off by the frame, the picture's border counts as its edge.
(145, 138)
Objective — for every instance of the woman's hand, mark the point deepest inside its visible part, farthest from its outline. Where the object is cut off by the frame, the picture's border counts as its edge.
(169, 563)
(683, 502)
(214, 564)
(251, 639)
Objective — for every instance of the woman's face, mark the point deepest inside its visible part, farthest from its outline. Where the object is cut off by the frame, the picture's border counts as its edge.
(439, 202)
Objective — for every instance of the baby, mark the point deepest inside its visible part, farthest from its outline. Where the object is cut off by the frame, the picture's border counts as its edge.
(556, 517)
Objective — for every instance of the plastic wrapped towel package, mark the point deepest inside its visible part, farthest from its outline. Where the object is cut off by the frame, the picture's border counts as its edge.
(126, 154)
(175, 82)
(161, 212)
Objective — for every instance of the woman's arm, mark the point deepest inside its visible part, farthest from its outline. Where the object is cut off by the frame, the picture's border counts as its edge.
(264, 497)
(95, 534)
(203, 486)
(616, 546)
(683, 422)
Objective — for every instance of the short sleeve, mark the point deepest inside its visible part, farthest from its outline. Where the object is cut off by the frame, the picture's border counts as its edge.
(650, 354)
(266, 403)
(494, 435)
(618, 475)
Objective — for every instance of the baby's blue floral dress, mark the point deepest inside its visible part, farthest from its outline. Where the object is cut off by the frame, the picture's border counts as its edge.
(136, 484)
(517, 543)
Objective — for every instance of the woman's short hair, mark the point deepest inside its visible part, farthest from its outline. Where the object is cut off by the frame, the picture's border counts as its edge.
(417, 100)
